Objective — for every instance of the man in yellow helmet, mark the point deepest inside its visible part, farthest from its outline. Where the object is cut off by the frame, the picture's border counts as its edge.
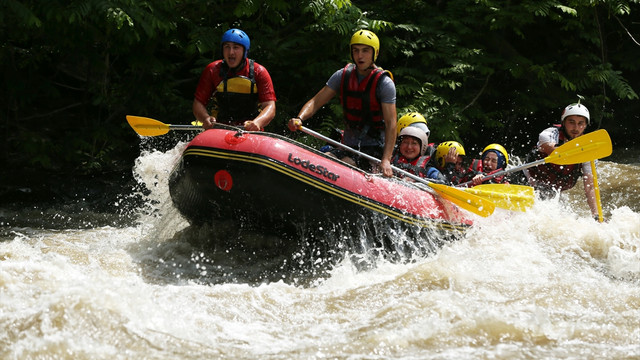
(368, 97)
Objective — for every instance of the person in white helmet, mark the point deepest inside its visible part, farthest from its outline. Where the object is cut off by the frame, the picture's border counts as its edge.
(550, 178)
(413, 155)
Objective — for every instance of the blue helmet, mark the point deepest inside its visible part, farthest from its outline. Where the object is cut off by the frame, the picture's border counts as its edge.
(239, 37)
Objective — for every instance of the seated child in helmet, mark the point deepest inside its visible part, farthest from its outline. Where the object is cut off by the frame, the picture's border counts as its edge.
(494, 158)
(449, 157)
(412, 154)
(415, 119)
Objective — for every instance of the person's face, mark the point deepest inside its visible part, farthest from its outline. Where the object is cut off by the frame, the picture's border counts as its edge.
(410, 147)
(490, 162)
(459, 163)
(362, 55)
(232, 53)
(575, 125)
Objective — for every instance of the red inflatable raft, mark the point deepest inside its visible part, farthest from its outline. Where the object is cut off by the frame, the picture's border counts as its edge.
(276, 185)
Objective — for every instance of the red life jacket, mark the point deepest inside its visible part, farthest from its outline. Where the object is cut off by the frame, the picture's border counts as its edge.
(560, 177)
(476, 168)
(417, 167)
(359, 102)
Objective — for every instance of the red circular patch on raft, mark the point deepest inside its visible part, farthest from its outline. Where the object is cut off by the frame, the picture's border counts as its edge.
(223, 180)
(233, 139)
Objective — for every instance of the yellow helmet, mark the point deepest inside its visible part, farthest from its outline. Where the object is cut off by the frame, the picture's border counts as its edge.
(412, 119)
(503, 156)
(366, 37)
(443, 149)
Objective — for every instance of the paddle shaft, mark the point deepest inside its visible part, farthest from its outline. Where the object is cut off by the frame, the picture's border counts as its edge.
(366, 156)
(584, 148)
(174, 127)
(513, 169)
(469, 202)
(596, 189)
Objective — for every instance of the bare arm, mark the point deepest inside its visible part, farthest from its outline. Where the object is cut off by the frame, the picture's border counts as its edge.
(390, 117)
(547, 147)
(264, 118)
(312, 106)
(202, 115)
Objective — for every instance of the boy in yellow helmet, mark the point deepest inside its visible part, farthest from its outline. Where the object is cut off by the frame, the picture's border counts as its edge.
(449, 159)
(494, 158)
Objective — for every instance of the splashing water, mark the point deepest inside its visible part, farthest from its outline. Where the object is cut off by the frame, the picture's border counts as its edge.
(547, 283)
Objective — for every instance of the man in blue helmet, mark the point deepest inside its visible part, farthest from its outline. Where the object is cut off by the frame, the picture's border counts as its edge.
(240, 89)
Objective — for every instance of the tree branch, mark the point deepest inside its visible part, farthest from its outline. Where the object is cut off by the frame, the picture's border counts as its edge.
(628, 33)
(53, 112)
(484, 86)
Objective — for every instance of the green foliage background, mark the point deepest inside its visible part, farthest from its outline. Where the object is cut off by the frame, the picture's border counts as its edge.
(480, 71)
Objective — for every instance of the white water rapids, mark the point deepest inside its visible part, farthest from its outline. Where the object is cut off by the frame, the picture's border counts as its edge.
(550, 283)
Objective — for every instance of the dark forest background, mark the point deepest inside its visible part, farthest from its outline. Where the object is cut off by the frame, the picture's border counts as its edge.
(480, 71)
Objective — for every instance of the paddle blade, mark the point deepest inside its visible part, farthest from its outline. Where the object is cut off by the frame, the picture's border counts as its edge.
(469, 202)
(506, 196)
(147, 127)
(585, 148)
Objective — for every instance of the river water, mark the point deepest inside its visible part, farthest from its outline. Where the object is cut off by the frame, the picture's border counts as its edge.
(549, 283)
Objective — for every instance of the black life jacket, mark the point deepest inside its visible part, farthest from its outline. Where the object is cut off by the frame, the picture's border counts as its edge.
(236, 97)
(360, 106)
(557, 177)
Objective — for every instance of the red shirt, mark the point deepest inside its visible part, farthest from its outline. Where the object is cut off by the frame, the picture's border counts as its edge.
(210, 79)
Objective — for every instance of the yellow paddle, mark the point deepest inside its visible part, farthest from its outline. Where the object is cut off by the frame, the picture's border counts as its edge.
(149, 127)
(588, 147)
(470, 202)
(597, 190)
(506, 196)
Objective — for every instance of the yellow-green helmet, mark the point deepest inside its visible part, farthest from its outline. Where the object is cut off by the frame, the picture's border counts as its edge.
(366, 37)
(443, 149)
(412, 119)
(503, 156)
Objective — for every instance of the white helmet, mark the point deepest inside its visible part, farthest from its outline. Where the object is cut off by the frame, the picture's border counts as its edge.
(576, 109)
(418, 134)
